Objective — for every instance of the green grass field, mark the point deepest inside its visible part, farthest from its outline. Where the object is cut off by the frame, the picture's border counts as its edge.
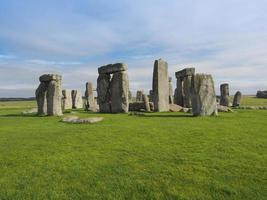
(155, 156)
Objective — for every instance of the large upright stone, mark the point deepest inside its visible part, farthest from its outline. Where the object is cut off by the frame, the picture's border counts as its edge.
(77, 100)
(103, 93)
(178, 93)
(49, 95)
(89, 96)
(139, 95)
(170, 91)
(183, 85)
(112, 68)
(146, 101)
(67, 99)
(203, 95)
(237, 99)
(161, 86)
(224, 99)
(54, 97)
(119, 92)
(41, 95)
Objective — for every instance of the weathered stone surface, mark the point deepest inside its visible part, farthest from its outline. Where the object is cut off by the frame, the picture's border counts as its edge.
(67, 99)
(140, 106)
(139, 95)
(150, 96)
(185, 72)
(77, 100)
(171, 101)
(175, 108)
(103, 93)
(112, 68)
(119, 92)
(161, 86)
(237, 99)
(50, 77)
(261, 94)
(186, 91)
(178, 93)
(146, 101)
(41, 98)
(77, 120)
(89, 96)
(54, 98)
(203, 95)
(224, 108)
(130, 95)
(224, 99)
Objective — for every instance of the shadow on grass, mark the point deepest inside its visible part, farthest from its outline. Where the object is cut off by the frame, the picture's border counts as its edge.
(19, 115)
(165, 116)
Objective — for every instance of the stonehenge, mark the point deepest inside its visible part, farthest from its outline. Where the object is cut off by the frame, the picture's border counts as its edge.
(113, 88)
(160, 86)
(89, 96)
(237, 99)
(203, 95)
(182, 92)
(67, 99)
(77, 100)
(224, 98)
(49, 95)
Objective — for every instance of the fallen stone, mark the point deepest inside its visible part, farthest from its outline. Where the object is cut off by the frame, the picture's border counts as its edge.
(175, 108)
(224, 108)
(77, 120)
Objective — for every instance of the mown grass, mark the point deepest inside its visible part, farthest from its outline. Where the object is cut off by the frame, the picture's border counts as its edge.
(155, 156)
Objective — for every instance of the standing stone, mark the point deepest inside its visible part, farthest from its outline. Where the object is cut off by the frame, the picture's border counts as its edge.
(182, 92)
(119, 92)
(178, 93)
(77, 101)
(146, 101)
(41, 93)
(103, 93)
(203, 95)
(237, 99)
(139, 95)
(150, 96)
(130, 95)
(54, 98)
(49, 95)
(170, 91)
(67, 100)
(89, 96)
(224, 99)
(161, 86)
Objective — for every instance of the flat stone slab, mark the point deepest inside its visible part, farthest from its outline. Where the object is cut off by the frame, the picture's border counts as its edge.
(77, 120)
(50, 77)
(185, 72)
(112, 68)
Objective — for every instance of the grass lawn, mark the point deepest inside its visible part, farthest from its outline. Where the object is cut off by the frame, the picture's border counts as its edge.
(155, 156)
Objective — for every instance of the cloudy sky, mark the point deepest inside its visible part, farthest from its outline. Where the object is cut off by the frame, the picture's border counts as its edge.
(226, 38)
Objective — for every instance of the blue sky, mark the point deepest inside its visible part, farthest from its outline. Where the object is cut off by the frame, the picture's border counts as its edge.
(226, 38)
